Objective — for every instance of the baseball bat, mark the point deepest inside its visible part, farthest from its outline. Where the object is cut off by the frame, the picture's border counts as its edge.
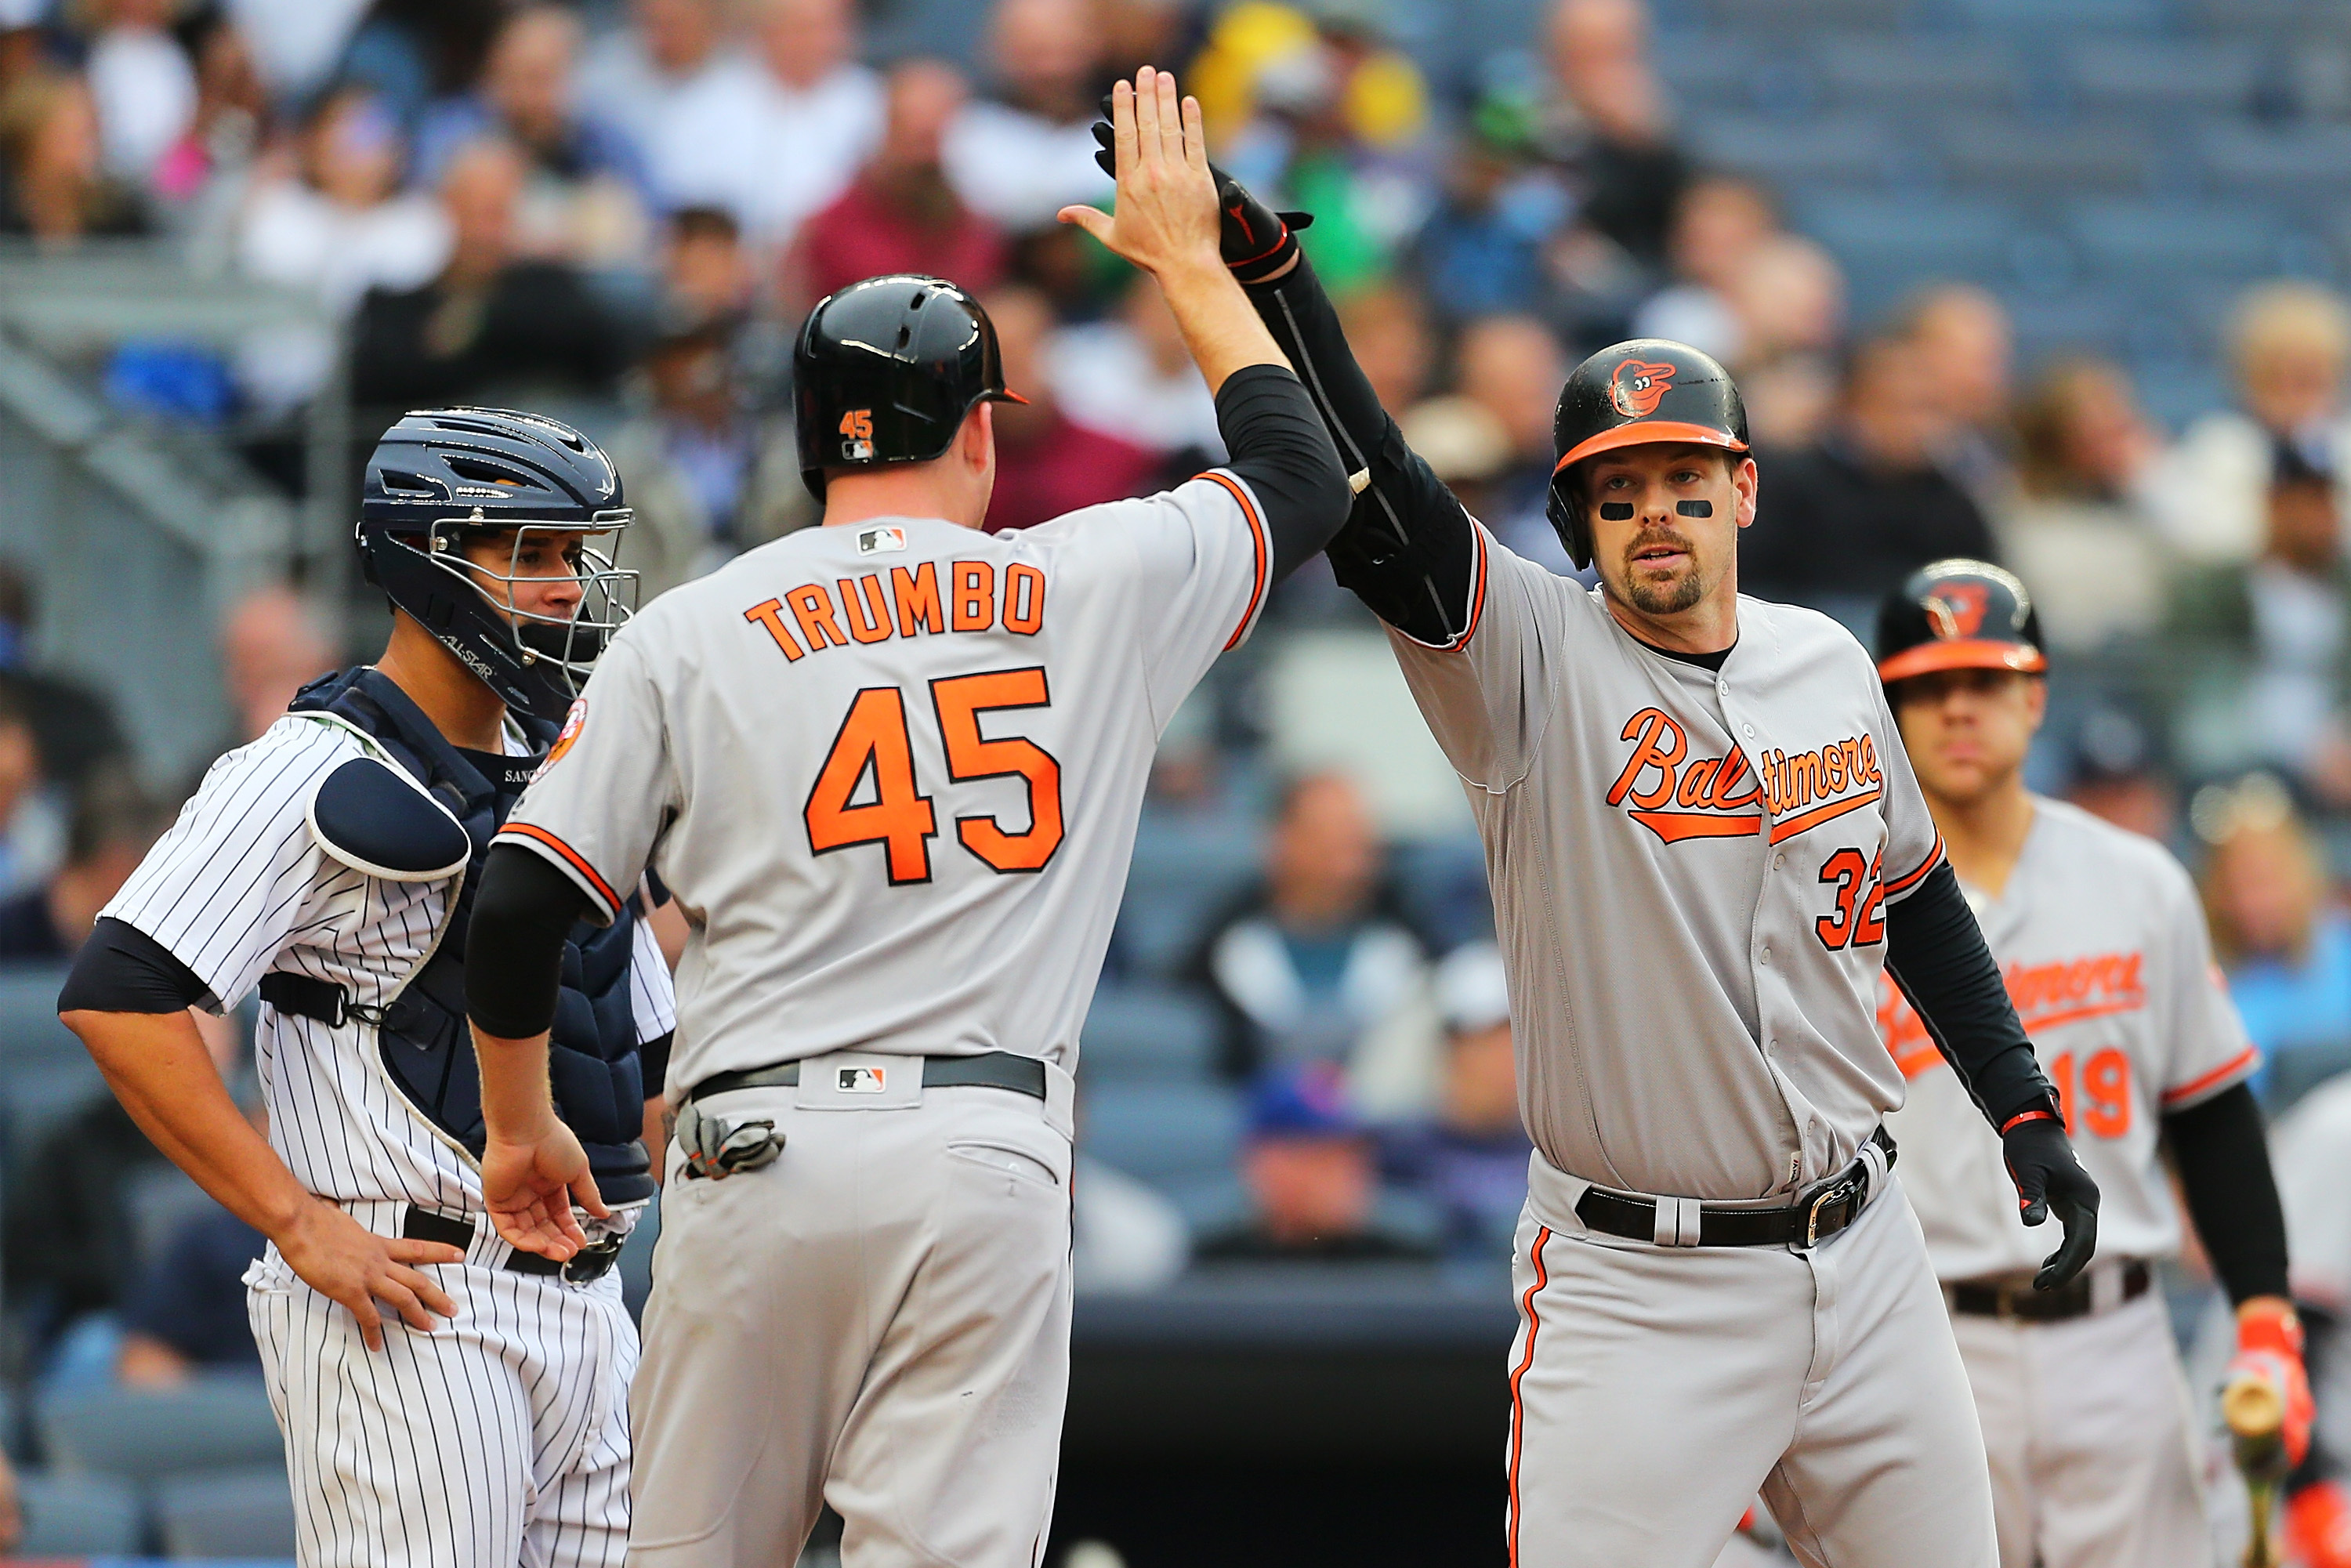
(2254, 1409)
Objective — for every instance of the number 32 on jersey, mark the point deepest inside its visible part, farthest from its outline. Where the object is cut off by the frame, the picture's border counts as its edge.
(875, 743)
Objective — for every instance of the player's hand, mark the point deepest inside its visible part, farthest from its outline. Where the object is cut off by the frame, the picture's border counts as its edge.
(1165, 212)
(2042, 1163)
(1258, 244)
(2318, 1525)
(529, 1185)
(2270, 1359)
(344, 1261)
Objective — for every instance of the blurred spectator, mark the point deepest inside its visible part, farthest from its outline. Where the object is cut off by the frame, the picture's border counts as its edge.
(417, 53)
(1610, 125)
(1128, 375)
(1511, 366)
(671, 56)
(583, 196)
(779, 141)
(2288, 344)
(1788, 293)
(2077, 527)
(1045, 465)
(113, 825)
(142, 83)
(274, 642)
(2118, 775)
(1019, 157)
(73, 725)
(57, 184)
(186, 1312)
(2282, 938)
(1470, 1159)
(297, 44)
(1719, 222)
(199, 171)
(1126, 1239)
(1312, 1175)
(31, 821)
(900, 215)
(1316, 962)
(2261, 654)
(1481, 252)
(1387, 327)
(1963, 334)
(1840, 525)
(491, 318)
(708, 476)
(337, 224)
(1463, 444)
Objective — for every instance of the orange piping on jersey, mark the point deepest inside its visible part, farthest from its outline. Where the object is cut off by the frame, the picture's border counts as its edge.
(2088, 1010)
(1517, 1405)
(578, 861)
(1674, 826)
(1477, 595)
(1904, 884)
(1819, 814)
(1256, 537)
(2244, 1060)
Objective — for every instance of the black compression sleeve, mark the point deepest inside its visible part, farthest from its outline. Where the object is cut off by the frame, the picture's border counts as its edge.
(653, 1056)
(1276, 443)
(121, 970)
(1936, 953)
(2224, 1169)
(513, 946)
(1408, 552)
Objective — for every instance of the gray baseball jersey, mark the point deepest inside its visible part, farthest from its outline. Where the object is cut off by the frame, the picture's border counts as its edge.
(891, 771)
(1690, 870)
(2103, 944)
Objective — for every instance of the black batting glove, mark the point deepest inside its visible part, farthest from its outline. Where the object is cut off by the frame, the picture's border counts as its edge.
(2042, 1163)
(1255, 241)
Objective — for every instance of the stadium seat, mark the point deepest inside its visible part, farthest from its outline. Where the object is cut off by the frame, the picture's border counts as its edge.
(2136, 242)
(1782, 17)
(79, 1516)
(230, 1514)
(1846, 149)
(2065, 15)
(1916, 238)
(1139, 1034)
(28, 1014)
(1183, 870)
(38, 1093)
(2290, 163)
(218, 1421)
(1906, 74)
(1712, 67)
(2001, 152)
(2164, 77)
(1165, 1134)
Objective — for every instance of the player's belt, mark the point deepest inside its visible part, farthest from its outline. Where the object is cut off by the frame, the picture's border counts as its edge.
(1818, 1214)
(990, 1070)
(590, 1262)
(2079, 1297)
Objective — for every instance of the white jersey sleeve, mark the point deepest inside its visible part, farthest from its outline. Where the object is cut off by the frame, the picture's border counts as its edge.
(652, 1000)
(1206, 565)
(1487, 694)
(239, 878)
(2209, 1049)
(608, 787)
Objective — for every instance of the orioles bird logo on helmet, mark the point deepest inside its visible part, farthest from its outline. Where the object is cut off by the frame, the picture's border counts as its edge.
(1957, 609)
(1638, 386)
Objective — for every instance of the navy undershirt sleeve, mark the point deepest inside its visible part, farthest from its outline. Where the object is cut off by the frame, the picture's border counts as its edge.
(121, 970)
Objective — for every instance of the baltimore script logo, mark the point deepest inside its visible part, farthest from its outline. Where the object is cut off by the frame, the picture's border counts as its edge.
(1677, 797)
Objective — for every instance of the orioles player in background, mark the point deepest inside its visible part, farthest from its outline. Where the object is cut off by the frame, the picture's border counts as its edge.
(891, 769)
(1705, 845)
(2093, 1441)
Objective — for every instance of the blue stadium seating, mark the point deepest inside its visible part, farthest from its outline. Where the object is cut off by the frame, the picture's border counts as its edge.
(1899, 73)
(2163, 76)
(214, 1422)
(1138, 1034)
(2293, 162)
(1849, 150)
(2139, 243)
(79, 1516)
(231, 1513)
(1162, 1132)
(2003, 152)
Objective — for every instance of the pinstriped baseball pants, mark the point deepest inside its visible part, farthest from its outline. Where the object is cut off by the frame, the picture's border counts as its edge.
(498, 1440)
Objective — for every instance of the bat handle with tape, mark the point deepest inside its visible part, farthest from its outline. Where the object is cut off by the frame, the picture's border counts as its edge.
(2254, 1408)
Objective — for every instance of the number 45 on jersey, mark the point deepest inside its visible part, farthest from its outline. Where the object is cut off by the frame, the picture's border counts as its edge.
(874, 741)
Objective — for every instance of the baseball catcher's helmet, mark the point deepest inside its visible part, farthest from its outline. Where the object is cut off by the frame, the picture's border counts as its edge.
(442, 474)
(1638, 392)
(884, 372)
(1958, 615)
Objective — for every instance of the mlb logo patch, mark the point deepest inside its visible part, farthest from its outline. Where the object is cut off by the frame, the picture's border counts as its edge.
(859, 1080)
(879, 541)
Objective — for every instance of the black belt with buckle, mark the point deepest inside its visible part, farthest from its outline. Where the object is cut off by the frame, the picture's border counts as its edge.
(589, 1263)
(990, 1070)
(2017, 1300)
(1812, 1219)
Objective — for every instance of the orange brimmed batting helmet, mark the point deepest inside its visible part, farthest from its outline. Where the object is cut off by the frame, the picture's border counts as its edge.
(1958, 615)
(1637, 394)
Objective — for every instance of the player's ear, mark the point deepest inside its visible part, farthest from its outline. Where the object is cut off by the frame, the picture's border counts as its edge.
(976, 442)
(1747, 482)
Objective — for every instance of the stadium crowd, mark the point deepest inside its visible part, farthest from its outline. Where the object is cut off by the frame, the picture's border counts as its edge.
(628, 207)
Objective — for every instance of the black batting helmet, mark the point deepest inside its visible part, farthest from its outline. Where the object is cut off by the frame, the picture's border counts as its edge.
(1958, 615)
(442, 474)
(884, 372)
(1636, 394)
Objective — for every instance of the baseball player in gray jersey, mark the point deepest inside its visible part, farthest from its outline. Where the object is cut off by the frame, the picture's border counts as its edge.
(2093, 1440)
(331, 865)
(891, 769)
(1705, 845)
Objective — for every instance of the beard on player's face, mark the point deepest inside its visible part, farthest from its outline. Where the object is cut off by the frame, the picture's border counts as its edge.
(1668, 591)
